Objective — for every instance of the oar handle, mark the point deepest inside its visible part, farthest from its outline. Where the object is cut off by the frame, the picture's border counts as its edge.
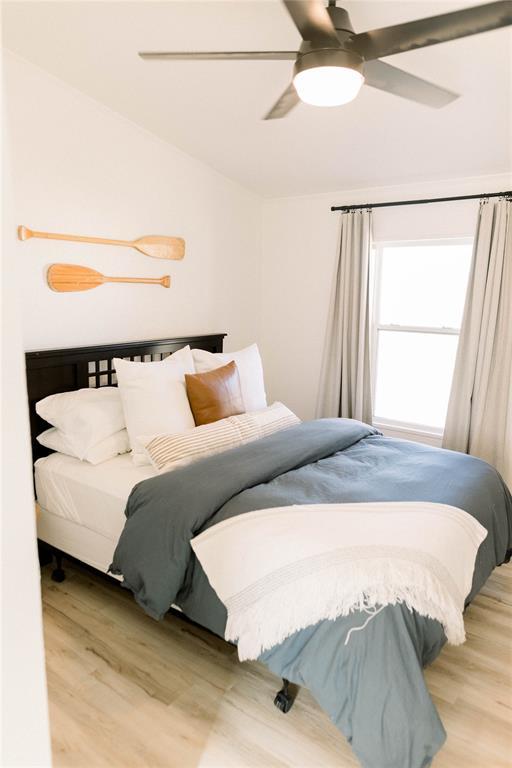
(165, 281)
(24, 233)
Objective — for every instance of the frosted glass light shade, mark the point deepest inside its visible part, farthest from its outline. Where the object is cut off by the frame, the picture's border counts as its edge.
(328, 86)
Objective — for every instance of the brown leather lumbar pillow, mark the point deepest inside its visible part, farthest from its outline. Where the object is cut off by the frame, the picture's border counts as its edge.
(215, 395)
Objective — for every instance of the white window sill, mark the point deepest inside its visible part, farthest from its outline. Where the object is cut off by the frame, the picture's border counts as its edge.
(429, 437)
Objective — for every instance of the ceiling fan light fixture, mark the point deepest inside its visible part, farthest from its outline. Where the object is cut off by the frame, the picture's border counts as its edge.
(328, 78)
(328, 86)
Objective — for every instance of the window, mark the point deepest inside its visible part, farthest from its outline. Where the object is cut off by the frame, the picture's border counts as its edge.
(418, 300)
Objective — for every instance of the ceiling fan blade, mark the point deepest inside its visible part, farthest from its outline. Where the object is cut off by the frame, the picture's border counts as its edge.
(219, 55)
(313, 22)
(436, 29)
(385, 77)
(286, 102)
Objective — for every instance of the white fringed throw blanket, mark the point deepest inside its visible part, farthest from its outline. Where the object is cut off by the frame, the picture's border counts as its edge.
(280, 570)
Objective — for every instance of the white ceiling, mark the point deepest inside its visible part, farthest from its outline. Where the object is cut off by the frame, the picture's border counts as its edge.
(213, 110)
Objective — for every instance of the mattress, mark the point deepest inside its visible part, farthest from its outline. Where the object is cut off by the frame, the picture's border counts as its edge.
(82, 506)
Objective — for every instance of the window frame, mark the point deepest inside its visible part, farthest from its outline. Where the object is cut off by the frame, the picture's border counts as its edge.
(376, 326)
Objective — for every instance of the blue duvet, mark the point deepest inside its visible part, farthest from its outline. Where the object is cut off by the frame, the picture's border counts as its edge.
(373, 689)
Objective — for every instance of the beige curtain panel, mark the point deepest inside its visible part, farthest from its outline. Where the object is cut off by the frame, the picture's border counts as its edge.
(479, 419)
(345, 382)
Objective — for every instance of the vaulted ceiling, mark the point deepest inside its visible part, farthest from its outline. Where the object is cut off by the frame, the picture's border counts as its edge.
(213, 110)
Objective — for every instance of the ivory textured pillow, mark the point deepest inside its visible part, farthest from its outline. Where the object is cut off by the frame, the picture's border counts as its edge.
(250, 369)
(214, 395)
(170, 451)
(153, 395)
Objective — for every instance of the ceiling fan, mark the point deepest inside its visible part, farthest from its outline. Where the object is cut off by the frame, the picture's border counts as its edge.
(333, 61)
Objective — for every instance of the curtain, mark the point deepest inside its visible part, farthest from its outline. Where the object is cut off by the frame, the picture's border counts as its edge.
(345, 382)
(479, 419)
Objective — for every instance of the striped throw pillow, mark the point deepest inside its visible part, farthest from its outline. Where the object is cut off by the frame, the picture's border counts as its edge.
(170, 451)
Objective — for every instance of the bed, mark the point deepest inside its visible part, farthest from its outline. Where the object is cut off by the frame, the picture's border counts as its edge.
(374, 689)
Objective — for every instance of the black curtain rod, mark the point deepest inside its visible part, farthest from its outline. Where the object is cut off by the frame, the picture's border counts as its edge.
(417, 202)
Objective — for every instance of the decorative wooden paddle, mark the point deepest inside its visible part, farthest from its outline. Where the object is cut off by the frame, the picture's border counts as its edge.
(70, 277)
(157, 246)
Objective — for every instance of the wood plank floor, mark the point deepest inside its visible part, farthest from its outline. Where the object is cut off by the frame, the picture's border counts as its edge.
(128, 692)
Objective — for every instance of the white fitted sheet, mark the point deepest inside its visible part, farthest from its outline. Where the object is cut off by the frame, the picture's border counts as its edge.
(91, 497)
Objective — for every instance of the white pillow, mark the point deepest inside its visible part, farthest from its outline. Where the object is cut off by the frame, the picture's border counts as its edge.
(85, 416)
(170, 451)
(103, 451)
(154, 396)
(250, 369)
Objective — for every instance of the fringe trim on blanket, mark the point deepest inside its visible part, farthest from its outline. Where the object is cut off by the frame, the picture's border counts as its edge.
(338, 591)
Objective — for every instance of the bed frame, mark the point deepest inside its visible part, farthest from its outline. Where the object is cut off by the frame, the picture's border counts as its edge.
(62, 370)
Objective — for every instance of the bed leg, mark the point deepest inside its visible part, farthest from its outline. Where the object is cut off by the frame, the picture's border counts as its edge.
(508, 557)
(58, 573)
(285, 697)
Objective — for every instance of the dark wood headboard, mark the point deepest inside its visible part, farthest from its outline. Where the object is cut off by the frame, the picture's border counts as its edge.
(62, 370)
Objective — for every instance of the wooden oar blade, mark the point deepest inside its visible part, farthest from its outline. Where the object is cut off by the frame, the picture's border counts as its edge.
(70, 277)
(161, 247)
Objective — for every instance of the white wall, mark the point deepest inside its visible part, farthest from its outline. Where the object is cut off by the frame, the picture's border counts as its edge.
(299, 246)
(25, 735)
(78, 167)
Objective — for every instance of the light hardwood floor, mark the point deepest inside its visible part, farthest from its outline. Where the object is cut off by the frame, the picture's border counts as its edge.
(128, 692)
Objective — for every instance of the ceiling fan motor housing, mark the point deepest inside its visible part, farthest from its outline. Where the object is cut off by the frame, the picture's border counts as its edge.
(328, 57)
